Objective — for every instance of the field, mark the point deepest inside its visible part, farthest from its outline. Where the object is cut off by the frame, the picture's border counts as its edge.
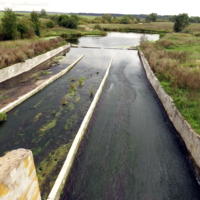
(158, 27)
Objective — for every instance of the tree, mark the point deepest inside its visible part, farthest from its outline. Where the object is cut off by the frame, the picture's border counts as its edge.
(181, 22)
(43, 13)
(148, 19)
(107, 17)
(35, 18)
(153, 17)
(9, 25)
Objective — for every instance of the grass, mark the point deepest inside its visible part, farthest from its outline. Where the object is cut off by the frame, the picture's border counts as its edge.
(21, 50)
(3, 117)
(154, 27)
(175, 60)
(67, 33)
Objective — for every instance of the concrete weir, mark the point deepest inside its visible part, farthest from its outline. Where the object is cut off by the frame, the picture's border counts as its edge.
(19, 68)
(64, 173)
(189, 136)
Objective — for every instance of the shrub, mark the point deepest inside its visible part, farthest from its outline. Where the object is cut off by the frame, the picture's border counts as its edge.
(97, 27)
(50, 24)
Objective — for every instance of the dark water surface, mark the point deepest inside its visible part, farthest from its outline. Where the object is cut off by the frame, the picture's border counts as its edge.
(131, 150)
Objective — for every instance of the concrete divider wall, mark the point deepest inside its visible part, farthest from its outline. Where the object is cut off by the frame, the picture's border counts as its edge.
(189, 136)
(18, 180)
(40, 87)
(64, 173)
(19, 68)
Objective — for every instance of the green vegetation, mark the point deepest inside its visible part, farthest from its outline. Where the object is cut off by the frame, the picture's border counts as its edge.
(181, 22)
(9, 25)
(175, 59)
(80, 81)
(64, 101)
(3, 117)
(91, 93)
(21, 50)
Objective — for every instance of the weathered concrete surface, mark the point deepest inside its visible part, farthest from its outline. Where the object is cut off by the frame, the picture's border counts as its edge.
(64, 173)
(40, 87)
(18, 180)
(20, 68)
(189, 136)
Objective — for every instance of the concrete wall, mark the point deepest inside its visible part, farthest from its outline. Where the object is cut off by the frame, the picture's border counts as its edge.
(189, 136)
(40, 87)
(20, 68)
(18, 180)
(64, 173)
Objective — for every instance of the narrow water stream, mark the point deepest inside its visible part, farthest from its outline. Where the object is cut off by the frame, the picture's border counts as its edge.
(131, 150)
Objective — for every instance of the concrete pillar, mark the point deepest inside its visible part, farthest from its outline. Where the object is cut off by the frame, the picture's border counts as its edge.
(18, 179)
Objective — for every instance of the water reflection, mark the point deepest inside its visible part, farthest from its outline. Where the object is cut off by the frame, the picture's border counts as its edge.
(113, 39)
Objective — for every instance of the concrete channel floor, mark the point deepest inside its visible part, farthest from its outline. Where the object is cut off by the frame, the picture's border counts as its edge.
(131, 151)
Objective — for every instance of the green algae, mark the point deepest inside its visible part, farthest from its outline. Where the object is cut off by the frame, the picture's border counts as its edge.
(48, 126)
(71, 122)
(36, 105)
(36, 118)
(48, 167)
(71, 106)
(41, 148)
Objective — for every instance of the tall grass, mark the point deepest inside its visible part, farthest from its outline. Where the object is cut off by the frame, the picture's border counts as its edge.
(180, 79)
(20, 50)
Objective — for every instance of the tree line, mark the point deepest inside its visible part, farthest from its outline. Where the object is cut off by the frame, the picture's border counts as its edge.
(17, 26)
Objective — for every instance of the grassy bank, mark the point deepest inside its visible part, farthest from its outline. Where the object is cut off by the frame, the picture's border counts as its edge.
(154, 27)
(67, 33)
(175, 59)
(21, 50)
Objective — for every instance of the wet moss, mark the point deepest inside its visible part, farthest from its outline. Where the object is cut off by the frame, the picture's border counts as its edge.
(71, 106)
(41, 148)
(36, 118)
(45, 171)
(48, 126)
(71, 122)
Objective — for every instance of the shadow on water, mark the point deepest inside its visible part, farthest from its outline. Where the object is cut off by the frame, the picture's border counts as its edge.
(131, 150)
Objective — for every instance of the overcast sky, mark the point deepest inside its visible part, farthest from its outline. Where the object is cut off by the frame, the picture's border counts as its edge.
(166, 7)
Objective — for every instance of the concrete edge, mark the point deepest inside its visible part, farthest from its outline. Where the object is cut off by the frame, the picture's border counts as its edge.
(189, 136)
(40, 87)
(64, 173)
(19, 68)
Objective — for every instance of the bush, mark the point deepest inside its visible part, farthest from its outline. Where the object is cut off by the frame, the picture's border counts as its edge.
(97, 27)
(50, 24)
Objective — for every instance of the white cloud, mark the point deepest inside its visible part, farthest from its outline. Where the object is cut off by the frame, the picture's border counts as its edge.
(170, 7)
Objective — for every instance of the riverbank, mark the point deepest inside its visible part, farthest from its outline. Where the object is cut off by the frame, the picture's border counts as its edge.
(175, 60)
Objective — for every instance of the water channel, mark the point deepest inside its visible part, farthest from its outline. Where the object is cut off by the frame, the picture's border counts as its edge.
(131, 150)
